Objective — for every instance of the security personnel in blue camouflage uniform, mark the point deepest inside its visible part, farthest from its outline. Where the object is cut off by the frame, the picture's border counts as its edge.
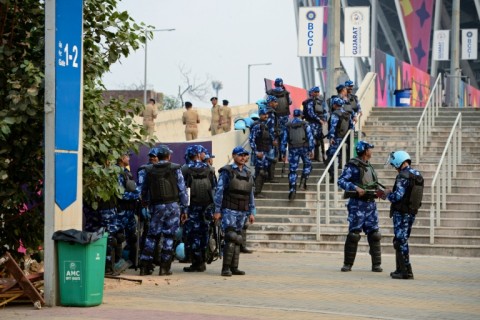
(338, 125)
(284, 102)
(127, 208)
(163, 189)
(359, 181)
(351, 102)
(316, 114)
(144, 217)
(406, 199)
(299, 138)
(234, 204)
(200, 178)
(261, 142)
(273, 124)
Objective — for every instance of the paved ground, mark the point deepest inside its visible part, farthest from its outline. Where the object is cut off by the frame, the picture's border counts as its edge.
(288, 286)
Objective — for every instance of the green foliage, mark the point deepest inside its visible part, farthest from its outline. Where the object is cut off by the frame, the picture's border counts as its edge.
(109, 128)
(171, 102)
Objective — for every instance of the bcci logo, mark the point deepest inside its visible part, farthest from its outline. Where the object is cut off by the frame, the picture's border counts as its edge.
(311, 15)
(357, 18)
(469, 34)
(73, 266)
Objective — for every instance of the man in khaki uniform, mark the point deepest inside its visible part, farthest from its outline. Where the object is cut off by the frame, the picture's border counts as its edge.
(149, 115)
(190, 119)
(226, 116)
(215, 126)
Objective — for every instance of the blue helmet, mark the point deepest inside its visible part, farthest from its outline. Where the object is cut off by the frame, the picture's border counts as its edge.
(271, 99)
(340, 87)
(362, 146)
(239, 124)
(278, 82)
(349, 83)
(262, 111)
(153, 152)
(399, 157)
(253, 114)
(297, 113)
(261, 103)
(313, 89)
(338, 101)
(180, 251)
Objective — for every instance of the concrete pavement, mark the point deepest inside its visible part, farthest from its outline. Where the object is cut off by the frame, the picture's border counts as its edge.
(288, 286)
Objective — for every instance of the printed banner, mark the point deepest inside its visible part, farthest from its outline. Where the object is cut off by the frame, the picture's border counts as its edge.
(441, 45)
(417, 20)
(469, 44)
(357, 32)
(310, 31)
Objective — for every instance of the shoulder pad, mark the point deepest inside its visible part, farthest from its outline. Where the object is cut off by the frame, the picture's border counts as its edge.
(174, 166)
(225, 168)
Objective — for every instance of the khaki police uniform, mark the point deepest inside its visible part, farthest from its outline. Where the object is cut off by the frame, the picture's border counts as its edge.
(149, 115)
(190, 119)
(215, 126)
(226, 118)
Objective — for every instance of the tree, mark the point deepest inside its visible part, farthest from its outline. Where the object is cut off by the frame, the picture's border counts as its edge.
(171, 102)
(109, 129)
(217, 86)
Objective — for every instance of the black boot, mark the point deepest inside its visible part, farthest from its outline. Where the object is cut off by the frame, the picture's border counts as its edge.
(243, 246)
(198, 264)
(259, 181)
(350, 251)
(398, 256)
(235, 260)
(228, 252)
(165, 268)
(146, 268)
(303, 183)
(316, 152)
(292, 193)
(271, 172)
(375, 250)
(404, 268)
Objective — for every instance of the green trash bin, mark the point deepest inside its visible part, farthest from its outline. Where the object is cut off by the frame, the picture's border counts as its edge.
(81, 270)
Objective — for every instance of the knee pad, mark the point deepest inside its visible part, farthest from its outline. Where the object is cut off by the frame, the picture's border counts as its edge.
(375, 236)
(239, 238)
(354, 237)
(231, 236)
(396, 244)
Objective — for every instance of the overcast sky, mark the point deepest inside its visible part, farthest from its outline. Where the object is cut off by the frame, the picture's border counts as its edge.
(215, 39)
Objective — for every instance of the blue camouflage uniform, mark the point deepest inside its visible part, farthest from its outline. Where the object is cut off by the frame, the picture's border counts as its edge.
(197, 224)
(334, 139)
(295, 153)
(402, 221)
(231, 218)
(235, 208)
(272, 124)
(126, 214)
(314, 119)
(262, 164)
(277, 92)
(362, 211)
(165, 218)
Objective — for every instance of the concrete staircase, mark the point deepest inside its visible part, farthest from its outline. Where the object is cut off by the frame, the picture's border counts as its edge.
(291, 225)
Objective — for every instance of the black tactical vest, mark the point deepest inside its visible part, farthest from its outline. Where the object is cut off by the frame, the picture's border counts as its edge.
(353, 101)
(162, 183)
(368, 177)
(199, 180)
(297, 134)
(283, 108)
(237, 194)
(343, 124)
(262, 141)
(412, 200)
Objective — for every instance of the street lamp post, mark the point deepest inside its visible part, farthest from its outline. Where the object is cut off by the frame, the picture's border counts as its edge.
(145, 74)
(254, 64)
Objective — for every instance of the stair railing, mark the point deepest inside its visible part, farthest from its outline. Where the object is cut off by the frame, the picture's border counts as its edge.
(326, 177)
(446, 171)
(427, 120)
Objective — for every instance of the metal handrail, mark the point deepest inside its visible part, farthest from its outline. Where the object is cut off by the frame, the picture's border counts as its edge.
(448, 169)
(325, 174)
(366, 87)
(427, 120)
